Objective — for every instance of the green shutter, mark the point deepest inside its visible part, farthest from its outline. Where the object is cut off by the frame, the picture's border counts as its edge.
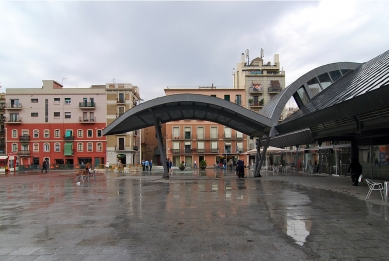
(68, 149)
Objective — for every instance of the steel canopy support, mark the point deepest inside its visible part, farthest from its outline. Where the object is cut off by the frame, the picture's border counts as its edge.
(162, 151)
(257, 171)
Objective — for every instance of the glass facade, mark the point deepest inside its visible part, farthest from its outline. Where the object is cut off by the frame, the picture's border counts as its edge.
(303, 95)
(325, 80)
(314, 86)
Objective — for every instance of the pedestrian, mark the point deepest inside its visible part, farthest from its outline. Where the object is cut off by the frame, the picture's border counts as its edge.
(151, 164)
(44, 166)
(107, 165)
(240, 168)
(147, 165)
(87, 167)
(355, 169)
(143, 165)
(195, 164)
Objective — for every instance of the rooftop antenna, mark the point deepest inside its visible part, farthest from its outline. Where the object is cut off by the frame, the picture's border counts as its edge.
(248, 56)
(262, 53)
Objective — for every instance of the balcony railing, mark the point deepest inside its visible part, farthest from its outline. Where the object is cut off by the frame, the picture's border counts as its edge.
(273, 89)
(25, 138)
(121, 101)
(87, 120)
(256, 104)
(195, 150)
(256, 90)
(24, 152)
(135, 148)
(15, 120)
(11, 105)
(87, 105)
(197, 136)
(68, 138)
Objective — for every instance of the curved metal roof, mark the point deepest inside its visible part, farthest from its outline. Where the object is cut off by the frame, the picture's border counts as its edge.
(190, 107)
(273, 109)
(354, 106)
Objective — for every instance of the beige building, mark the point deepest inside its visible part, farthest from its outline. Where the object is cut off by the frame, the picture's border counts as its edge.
(125, 147)
(261, 81)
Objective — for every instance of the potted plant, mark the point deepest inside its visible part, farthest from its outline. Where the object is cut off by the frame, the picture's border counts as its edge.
(261, 102)
(251, 101)
(182, 166)
(203, 164)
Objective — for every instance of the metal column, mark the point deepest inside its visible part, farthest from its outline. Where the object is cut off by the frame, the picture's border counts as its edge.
(162, 150)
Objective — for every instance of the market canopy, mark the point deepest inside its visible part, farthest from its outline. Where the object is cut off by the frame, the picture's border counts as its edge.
(190, 107)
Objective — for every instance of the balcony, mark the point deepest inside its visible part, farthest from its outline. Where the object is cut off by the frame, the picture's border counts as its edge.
(121, 101)
(273, 90)
(24, 152)
(87, 105)
(256, 104)
(87, 120)
(198, 136)
(13, 106)
(15, 120)
(194, 150)
(24, 138)
(68, 138)
(135, 148)
(256, 90)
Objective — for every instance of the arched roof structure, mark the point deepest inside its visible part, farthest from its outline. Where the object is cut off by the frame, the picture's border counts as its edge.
(192, 107)
(273, 109)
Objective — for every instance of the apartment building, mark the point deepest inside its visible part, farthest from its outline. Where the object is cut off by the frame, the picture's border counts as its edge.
(195, 140)
(125, 147)
(261, 81)
(61, 125)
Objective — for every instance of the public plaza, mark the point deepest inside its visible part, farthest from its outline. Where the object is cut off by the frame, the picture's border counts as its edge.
(193, 215)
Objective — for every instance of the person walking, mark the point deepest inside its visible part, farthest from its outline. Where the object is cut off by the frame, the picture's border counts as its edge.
(355, 169)
(107, 165)
(147, 165)
(195, 164)
(240, 168)
(151, 164)
(44, 166)
(143, 165)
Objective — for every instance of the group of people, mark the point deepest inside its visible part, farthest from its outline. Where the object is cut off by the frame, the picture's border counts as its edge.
(147, 165)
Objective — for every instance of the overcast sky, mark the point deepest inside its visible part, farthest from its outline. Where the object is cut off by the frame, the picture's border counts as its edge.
(180, 44)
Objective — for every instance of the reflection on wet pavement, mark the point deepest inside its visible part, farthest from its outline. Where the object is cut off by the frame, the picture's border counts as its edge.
(202, 215)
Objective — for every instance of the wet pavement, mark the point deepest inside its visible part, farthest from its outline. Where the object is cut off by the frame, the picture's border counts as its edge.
(195, 215)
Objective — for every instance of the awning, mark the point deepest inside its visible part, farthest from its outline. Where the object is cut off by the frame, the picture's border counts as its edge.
(3, 157)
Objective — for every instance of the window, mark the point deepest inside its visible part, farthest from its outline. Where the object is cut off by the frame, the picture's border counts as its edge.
(176, 146)
(68, 115)
(200, 133)
(188, 134)
(34, 114)
(121, 143)
(14, 147)
(213, 95)
(56, 133)
(47, 134)
(239, 147)
(227, 133)
(57, 147)
(68, 101)
(90, 134)
(14, 133)
(99, 147)
(79, 146)
(214, 133)
(214, 148)
(121, 110)
(14, 117)
(176, 132)
(99, 133)
(238, 100)
(34, 100)
(46, 147)
(239, 135)
(227, 97)
(200, 147)
(79, 134)
(57, 114)
(15, 103)
(36, 133)
(36, 147)
(90, 146)
(57, 101)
